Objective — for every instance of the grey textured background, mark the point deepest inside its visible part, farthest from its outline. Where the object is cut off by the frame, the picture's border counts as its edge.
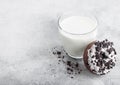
(28, 32)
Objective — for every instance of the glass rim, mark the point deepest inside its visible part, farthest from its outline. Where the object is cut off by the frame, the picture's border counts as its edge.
(69, 15)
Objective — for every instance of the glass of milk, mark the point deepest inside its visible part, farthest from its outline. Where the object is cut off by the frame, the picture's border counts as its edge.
(77, 31)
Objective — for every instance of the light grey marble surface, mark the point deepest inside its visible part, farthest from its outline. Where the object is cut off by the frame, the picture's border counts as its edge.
(28, 32)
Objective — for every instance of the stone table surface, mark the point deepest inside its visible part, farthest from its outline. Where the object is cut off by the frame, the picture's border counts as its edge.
(28, 33)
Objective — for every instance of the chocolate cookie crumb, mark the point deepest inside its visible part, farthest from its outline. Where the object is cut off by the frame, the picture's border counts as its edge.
(59, 56)
(59, 60)
(69, 63)
(72, 68)
(54, 53)
(58, 52)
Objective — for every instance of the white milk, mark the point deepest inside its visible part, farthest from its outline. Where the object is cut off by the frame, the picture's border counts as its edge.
(77, 32)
